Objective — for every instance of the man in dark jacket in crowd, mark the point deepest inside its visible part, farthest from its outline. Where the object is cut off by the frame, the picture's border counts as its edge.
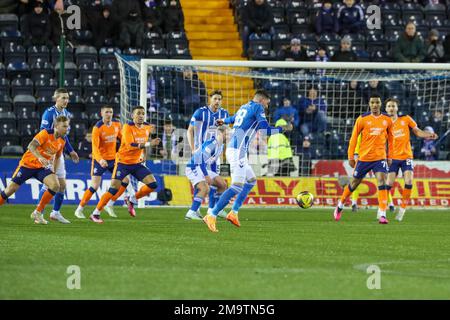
(105, 29)
(38, 27)
(326, 21)
(350, 17)
(173, 17)
(257, 18)
(294, 52)
(409, 47)
(56, 26)
(132, 31)
(121, 9)
(345, 54)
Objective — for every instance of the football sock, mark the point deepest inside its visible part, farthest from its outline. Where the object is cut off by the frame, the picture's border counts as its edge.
(390, 202)
(406, 196)
(196, 203)
(225, 198)
(46, 198)
(59, 197)
(242, 196)
(122, 189)
(105, 198)
(212, 198)
(87, 196)
(3, 197)
(347, 192)
(382, 198)
(145, 190)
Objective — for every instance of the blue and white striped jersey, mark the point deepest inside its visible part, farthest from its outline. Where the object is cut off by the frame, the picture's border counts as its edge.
(206, 155)
(204, 121)
(49, 117)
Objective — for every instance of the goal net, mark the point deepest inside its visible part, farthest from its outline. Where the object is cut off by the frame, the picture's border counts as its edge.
(323, 101)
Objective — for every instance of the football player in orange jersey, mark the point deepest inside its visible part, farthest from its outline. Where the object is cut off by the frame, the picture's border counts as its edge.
(402, 157)
(40, 161)
(129, 160)
(104, 143)
(376, 129)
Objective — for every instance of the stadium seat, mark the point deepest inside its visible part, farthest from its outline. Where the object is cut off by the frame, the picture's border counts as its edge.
(114, 102)
(76, 103)
(108, 70)
(279, 28)
(2, 70)
(74, 86)
(86, 54)
(9, 22)
(278, 15)
(70, 70)
(156, 52)
(22, 86)
(107, 55)
(45, 87)
(179, 51)
(262, 41)
(38, 53)
(82, 37)
(7, 120)
(41, 69)
(90, 70)
(417, 19)
(94, 103)
(280, 40)
(376, 42)
(10, 36)
(14, 53)
(5, 87)
(135, 52)
(113, 85)
(23, 102)
(12, 150)
(43, 103)
(6, 103)
(379, 56)
(68, 55)
(391, 9)
(94, 85)
(152, 38)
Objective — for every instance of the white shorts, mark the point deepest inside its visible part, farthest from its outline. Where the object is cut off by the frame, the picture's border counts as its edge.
(241, 171)
(61, 170)
(195, 176)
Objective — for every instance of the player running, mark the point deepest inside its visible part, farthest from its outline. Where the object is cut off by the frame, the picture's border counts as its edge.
(248, 119)
(197, 169)
(104, 143)
(402, 157)
(202, 128)
(129, 160)
(375, 128)
(41, 161)
(61, 97)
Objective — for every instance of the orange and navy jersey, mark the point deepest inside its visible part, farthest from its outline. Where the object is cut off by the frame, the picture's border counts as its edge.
(104, 140)
(49, 147)
(375, 132)
(402, 144)
(129, 151)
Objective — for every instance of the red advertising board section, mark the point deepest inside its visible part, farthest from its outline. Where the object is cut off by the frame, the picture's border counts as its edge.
(431, 187)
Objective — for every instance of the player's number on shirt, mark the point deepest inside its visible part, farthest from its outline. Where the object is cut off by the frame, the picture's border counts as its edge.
(240, 117)
(409, 162)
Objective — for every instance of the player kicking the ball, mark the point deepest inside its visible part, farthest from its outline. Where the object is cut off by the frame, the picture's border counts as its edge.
(374, 128)
(248, 119)
(104, 142)
(402, 157)
(129, 160)
(41, 161)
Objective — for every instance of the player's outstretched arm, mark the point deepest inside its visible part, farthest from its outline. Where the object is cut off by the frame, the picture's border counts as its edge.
(424, 134)
(190, 137)
(357, 128)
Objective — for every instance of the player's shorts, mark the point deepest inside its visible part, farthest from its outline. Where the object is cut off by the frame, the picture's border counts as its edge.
(22, 174)
(241, 171)
(363, 167)
(139, 171)
(405, 165)
(61, 170)
(98, 170)
(196, 175)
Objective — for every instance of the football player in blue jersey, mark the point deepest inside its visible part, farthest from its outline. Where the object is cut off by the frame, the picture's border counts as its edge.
(61, 97)
(246, 122)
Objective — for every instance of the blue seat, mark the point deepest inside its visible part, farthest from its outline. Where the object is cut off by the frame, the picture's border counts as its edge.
(30, 126)
(300, 28)
(376, 42)
(113, 85)
(45, 87)
(330, 39)
(280, 40)
(391, 9)
(411, 8)
(94, 103)
(6, 104)
(135, 52)
(14, 53)
(10, 36)
(42, 103)
(74, 86)
(416, 18)
(264, 54)
(38, 53)
(22, 86)
(295, 17)
(76, 103)
(9, 138)
(86, 54)
(9, 22)
(179, 52)
(2, 71)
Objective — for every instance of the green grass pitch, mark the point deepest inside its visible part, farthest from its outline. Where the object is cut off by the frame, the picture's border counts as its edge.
(276, 254)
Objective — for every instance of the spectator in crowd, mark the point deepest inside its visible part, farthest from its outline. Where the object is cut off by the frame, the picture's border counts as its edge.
(326, 20)
(132, 31)
(350, 18)
(37, 28)
(120, 9)
(446, 46)
(167, 144)
(294, 52)
(256, 18)
(409, 47)
(434, 4)
(313, 113)
(152, 11)
(190, 90)
(287, 111)
(85, 147)
(173, 18)
(436, 121)
(428, 151)
(106, 29)
(374, 86)
(435, 49)
(345, 54)
(279, 154)
(306, 152)
(321, 54)
(152, 25)
(55, 23)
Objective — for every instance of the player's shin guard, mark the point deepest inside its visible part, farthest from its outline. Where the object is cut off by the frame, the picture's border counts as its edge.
(87, 196)
(382, 198)
(406, 195)
(212, 196)
(122, 189)
(242, 196)
(59, 197)
(225, 198)
(347, 192)
(105, 198)
(146, 189)
(3, 197)
(389, 196)
(46, 198)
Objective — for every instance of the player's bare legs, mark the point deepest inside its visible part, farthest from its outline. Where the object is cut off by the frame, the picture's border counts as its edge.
(391, 176)
(149, 186)
(109, 208)
(95, 184)
(382, 197)
(202, 190)
(348, 189)
(221, 186)
(113, 189)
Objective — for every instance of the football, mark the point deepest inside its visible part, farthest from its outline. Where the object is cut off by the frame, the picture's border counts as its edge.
(305, 199)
